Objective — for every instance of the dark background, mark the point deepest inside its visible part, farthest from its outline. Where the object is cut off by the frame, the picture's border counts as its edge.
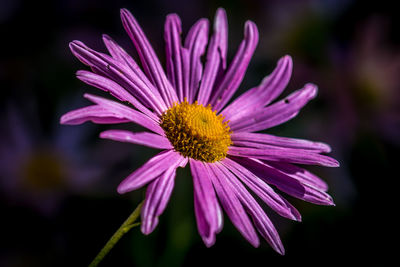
(58, 195)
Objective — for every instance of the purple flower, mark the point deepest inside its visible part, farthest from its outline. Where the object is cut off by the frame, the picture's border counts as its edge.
(186, 113)
(38, 170)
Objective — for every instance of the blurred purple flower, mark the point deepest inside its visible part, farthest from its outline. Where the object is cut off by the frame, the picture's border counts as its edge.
(372, 68)
(40, 171)
(186, 110)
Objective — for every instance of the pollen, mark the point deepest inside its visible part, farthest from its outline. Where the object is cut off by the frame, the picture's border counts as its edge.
(196, 131)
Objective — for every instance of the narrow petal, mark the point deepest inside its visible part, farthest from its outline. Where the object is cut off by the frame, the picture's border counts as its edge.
(237, 69)
(148, 57)
(126, 112)
(276, 113)
(263, 224)
(157, 196)
(114, 89)
(143, 138)
(208, 211)
(263, 190)
(96, 114)
(269, 89)
(172, 36)
(286, 183)
(151, 170)
(216, 56)
(221, 23)
(299, 156)
(185, 54)
(122, 56)
(120, 73)
(259, 139)
(300, 174)
(207, 234)
(195, 43)
(232, 205)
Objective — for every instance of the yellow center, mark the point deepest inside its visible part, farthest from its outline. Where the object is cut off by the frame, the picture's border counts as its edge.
(196, 131)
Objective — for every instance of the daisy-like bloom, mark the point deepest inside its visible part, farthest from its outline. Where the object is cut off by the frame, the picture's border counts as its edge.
(187, 114)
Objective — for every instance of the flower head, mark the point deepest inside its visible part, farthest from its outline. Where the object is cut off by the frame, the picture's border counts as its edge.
(196, 131)
(187, 114)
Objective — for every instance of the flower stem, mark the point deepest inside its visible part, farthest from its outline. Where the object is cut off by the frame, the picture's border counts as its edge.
(128, 224)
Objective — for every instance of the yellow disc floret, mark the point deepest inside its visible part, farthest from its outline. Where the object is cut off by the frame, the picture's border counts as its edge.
(196, 131)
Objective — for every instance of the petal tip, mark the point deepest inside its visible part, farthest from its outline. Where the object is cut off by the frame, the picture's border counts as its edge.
(220, 17)
(296, 218)
(313, 89)
(287, 59)
(124, 11)
(104, 134)
(87, 95)
(173, 16)
(255, 243)
(80, 73)
(145, 230)
(325, 147)
(148, 227)
(334, 163)
(63, 119)
(72, 45)
(209, 242)
(125, 15)
(251, 31)
(278, 247)
(106, 38)
(221, 11)
(281, 251)
(75, 43)
(122, 188)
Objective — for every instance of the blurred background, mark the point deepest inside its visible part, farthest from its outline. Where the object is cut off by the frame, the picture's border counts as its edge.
(59, 203)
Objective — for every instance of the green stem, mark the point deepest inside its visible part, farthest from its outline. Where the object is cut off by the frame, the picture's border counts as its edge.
(123, 229)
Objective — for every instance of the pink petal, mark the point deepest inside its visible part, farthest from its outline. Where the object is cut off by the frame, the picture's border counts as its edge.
(208, 211)
(151, 170)
(269, 89)
(300, 174)
(144, 138)
(237, 69)
(299, 156)
(216, 56)
(263, 224)
(114, 89)
(286, 183)
(275, 114)
(232, 206)
(185, 56)
(172, 36)
(157, 197)
(148, 57)
(126, 112)
(96, 114)
(195, 43)
(122, 56)
(121, 74)
(263, 190)
(267, 141)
